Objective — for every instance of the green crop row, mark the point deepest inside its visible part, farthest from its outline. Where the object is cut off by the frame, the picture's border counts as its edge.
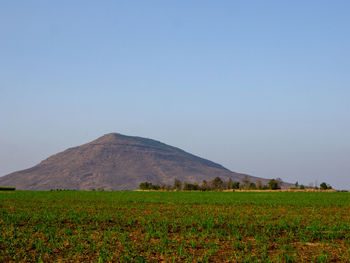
(174, 226)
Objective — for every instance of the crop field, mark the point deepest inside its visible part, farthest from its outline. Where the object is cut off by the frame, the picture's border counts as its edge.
(73, 226)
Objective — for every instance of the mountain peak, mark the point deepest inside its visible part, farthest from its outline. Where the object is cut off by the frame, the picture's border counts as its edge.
(110, 138)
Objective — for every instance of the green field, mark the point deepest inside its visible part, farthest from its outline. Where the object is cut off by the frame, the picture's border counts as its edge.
(174, 226)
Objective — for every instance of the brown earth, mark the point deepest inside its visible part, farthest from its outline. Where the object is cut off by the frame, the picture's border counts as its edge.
(119, 162)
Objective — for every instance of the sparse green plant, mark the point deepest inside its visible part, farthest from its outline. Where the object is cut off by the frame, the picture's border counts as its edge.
(171, 226)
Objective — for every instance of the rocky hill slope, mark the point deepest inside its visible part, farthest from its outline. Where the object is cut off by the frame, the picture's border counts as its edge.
(118, 162)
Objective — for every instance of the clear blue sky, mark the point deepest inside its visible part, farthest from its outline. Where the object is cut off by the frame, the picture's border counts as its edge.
(262, 87)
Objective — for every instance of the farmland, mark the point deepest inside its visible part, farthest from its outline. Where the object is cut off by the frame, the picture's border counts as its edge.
(174, 226)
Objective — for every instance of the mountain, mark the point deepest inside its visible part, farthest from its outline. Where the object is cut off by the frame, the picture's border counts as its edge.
(118, 162)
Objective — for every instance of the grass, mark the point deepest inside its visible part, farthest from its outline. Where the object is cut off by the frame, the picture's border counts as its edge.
(174, 226)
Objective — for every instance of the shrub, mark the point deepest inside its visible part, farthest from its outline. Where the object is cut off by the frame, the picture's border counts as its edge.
(273, 184)
(7, 188)
(236, 185)
(325, 186)
(252, 186)
(177, 184)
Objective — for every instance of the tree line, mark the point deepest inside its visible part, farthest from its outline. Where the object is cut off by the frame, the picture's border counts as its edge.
(322, 186)
(217, 184)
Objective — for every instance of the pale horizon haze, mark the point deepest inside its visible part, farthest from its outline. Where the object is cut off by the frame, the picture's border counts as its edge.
(261, 87)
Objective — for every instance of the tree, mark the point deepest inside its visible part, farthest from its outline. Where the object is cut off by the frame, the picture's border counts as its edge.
(149, 186)
(185, 187)
(296, 184)
(205, 186)
(324, 186)
(217, 183)
(259, 184)
(302, 187)
(156, 187)
(273, 184)
(146, 186)
(252, 186)
(236, 185)
(177, 184)
(230, 184)
(190, 187)
(246, 182)
(195, 187)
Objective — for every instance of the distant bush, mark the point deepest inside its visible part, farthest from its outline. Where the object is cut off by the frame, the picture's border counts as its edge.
(236, 185)
(63, 189)
(325, 186)
(273, 184)
(7, 188)
(149, 186)
(177, 184)
(191, 187)
(265, 187)
(252, 186)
